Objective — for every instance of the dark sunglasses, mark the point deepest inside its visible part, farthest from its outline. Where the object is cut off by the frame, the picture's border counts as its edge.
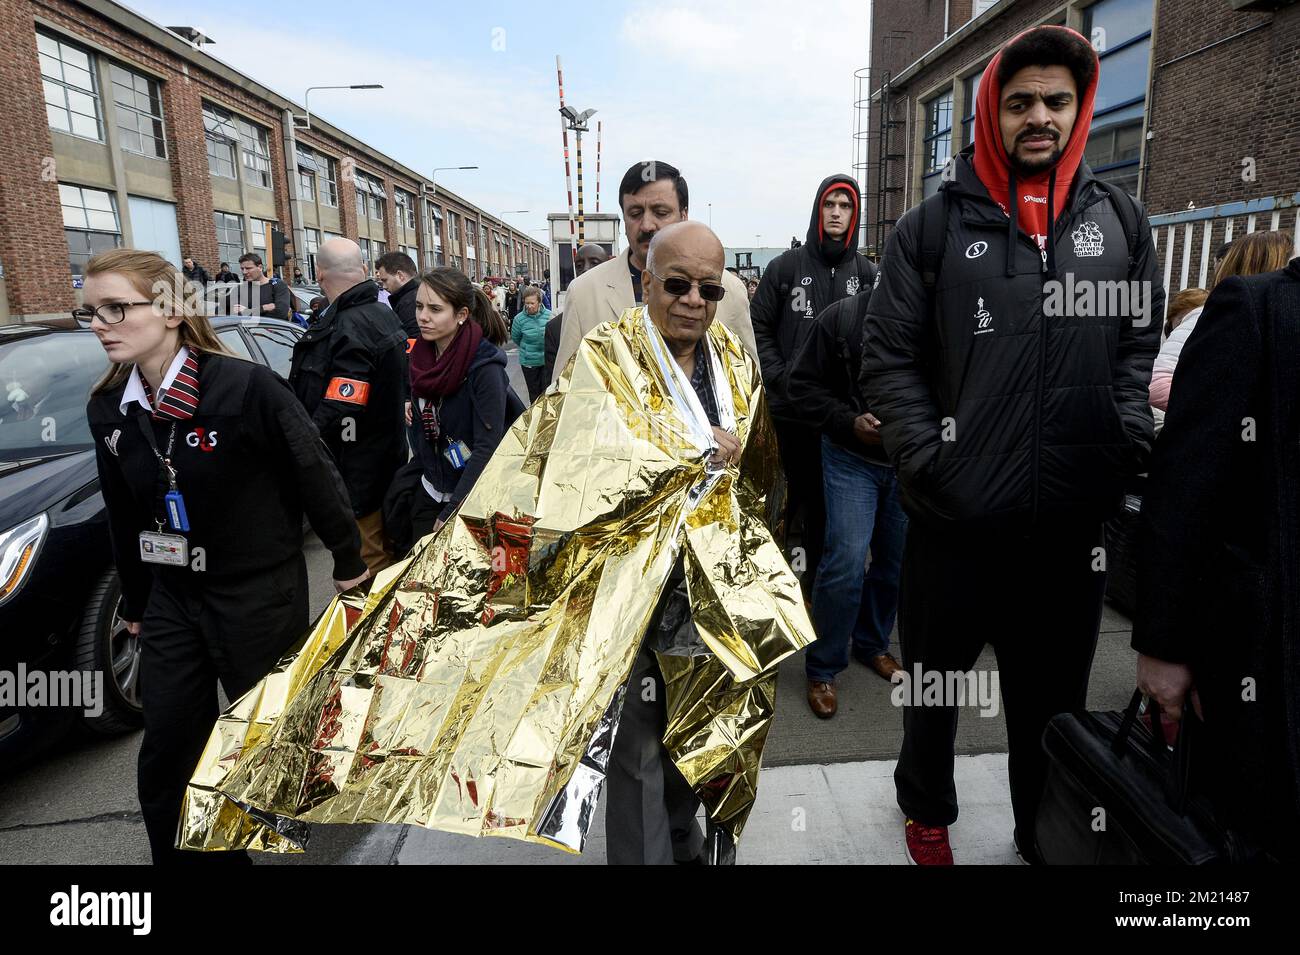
(677, 286)
(110, 313)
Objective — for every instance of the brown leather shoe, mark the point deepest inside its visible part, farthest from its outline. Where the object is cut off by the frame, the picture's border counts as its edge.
(821, 698)
(885, 665)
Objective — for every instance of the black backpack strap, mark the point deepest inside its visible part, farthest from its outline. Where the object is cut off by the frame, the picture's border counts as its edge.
(846, 314)
(934, 232)
(785, 277)
(1126, 208)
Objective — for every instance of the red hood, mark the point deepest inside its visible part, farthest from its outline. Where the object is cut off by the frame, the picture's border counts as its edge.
(993, 167)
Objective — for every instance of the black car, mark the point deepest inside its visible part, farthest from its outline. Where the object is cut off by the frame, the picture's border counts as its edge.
(59, 591)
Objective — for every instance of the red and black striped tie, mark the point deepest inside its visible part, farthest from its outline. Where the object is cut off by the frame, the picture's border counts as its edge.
(179, 400)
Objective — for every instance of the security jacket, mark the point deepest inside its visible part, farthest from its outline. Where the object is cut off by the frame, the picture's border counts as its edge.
(349, 372)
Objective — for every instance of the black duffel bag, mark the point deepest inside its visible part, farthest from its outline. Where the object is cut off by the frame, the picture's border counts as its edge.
(1115, 794)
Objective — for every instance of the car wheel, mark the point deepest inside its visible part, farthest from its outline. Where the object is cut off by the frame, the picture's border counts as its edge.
(104, 645)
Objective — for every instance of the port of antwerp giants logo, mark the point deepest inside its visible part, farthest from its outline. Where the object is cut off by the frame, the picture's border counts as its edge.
(1088, 240)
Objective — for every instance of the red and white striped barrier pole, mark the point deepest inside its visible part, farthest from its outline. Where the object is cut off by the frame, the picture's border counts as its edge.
(568, 179)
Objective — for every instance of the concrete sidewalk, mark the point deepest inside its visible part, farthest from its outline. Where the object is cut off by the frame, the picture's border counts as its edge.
(840, 814)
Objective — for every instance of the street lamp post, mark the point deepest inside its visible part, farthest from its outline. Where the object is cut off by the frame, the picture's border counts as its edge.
(306, 99)
(546, 254)
(433, 179)
(290, 124)
(577, 124)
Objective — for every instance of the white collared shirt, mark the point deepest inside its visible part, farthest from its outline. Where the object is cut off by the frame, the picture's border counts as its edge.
(135, 384)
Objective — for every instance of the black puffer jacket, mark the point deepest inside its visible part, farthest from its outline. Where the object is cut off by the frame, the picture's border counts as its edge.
(349, 371)
(797, 285)
(992, 411)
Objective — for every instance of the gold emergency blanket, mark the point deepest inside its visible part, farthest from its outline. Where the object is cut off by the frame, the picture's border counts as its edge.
(476, 688)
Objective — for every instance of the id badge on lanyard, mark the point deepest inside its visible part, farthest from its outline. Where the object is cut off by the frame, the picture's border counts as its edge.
(169, 549)
(157, 547)
(456, 453)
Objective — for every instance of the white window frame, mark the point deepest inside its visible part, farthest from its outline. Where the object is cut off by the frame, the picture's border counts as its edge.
(73, 199)
(255, 149)
(328, 176)
(233, 222)
(66, 88)
(404, 202)
(152, 92)
(219, 130)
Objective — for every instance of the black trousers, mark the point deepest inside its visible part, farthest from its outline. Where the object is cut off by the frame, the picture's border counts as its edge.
(424, 513)
(194, 633)
(801, 459)
(650, 807)
(536, 380)
(1037, 599)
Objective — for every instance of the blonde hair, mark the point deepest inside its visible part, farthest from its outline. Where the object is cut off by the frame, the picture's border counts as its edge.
(171, 293)
(1255, 254)
(1182, 303)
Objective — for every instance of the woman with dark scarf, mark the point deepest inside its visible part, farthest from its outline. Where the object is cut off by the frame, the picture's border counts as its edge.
(459, 392)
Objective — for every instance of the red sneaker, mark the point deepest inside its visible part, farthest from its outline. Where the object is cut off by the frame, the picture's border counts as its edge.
(927, 845)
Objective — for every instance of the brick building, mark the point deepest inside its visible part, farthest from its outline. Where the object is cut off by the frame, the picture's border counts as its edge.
(118, 131)
(1195, 109)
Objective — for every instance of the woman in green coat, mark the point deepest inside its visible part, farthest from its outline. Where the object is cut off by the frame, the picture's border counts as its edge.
(529, 331)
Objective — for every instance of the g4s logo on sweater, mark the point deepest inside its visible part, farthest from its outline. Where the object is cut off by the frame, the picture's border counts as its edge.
(202, 438)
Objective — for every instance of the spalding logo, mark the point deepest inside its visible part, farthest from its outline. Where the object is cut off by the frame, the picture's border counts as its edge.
(976, 249)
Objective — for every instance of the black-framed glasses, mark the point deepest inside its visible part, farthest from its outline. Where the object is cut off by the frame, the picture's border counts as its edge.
(110, 313)
(678, 286)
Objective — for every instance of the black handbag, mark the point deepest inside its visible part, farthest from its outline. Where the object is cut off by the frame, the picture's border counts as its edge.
(397, 506)
(1115, 794)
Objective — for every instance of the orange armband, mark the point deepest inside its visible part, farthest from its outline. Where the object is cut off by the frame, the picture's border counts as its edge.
(348, 389)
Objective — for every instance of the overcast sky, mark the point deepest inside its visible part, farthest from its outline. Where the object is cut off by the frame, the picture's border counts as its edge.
(752, 100)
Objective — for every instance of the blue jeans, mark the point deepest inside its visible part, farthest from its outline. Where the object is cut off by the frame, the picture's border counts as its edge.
(863, 513)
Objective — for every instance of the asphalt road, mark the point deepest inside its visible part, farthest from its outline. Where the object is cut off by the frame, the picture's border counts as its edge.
(77, 803)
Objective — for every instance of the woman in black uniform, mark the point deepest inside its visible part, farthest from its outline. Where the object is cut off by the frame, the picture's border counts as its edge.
(207, 464)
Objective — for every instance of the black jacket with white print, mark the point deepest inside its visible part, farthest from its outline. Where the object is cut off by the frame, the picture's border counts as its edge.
(1016, 391)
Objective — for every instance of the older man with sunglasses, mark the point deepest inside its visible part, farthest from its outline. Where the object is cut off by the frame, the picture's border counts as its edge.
(650, 816)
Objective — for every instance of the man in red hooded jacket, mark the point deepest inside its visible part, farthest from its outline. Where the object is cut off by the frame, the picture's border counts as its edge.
(1007, 349)
(796, 286)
